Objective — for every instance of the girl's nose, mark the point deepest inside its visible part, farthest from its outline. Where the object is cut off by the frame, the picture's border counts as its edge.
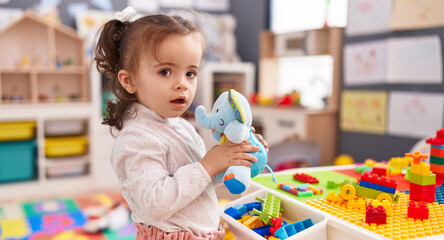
(181, 83)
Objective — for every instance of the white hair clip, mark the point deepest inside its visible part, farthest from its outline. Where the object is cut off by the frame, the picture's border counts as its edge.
(128, 14)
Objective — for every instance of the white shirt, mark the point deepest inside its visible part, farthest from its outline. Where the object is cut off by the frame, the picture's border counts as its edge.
(157, 164)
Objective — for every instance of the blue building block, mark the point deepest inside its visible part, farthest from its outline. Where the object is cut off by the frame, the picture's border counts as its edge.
(250, 206)
(234, 213)
(439, 194)
(291, 229)
(264, 230)
(437, 146)
(377, 187)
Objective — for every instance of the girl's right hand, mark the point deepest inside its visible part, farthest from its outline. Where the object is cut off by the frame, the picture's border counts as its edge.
(219, 158)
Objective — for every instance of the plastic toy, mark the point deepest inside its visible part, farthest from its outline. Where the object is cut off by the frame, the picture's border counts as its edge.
(375, 215)
(231, 120)
(350, 190)
(289, 230)
(305, 178)
(418, 210)
(381, 169)
(422, 181)
(270, 209)
(343, 159)
(437, 155)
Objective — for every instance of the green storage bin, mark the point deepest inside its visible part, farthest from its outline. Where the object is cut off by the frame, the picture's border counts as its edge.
(17, 160)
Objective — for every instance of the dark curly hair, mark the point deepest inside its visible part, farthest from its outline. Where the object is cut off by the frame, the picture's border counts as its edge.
(120, 46)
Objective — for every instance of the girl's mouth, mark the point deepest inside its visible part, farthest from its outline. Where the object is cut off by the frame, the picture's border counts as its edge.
(178, 101)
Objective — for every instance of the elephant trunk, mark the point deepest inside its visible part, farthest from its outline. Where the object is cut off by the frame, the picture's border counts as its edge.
(202, 118)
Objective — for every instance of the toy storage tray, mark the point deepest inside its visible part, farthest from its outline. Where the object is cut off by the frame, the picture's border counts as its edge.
(17, 160)
(293, 211)
(65, 146)
(64, 128)
(17, 131)
(67, 166)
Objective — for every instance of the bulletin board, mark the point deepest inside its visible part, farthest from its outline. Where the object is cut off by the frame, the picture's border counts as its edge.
(395, 140)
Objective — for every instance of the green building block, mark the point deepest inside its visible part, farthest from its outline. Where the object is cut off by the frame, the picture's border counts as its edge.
(437, 160)
(270, 208)
(423, 180)
(373, 193)
(363, 168)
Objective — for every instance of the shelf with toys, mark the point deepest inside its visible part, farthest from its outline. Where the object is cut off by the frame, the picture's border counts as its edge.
(45, 110)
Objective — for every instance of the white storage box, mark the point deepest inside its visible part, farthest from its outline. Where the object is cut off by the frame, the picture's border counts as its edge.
(293, 211)
(64, 128)
(69, 166)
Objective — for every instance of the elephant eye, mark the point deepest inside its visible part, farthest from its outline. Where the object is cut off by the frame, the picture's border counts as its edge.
(217, 110)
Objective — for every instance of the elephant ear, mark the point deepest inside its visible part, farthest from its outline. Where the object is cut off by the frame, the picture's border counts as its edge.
(239, 112)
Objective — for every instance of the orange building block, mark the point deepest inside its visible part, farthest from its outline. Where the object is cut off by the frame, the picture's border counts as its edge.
(437, 152)
(436, 168)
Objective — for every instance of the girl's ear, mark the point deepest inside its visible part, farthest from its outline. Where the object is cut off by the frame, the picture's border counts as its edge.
(126, 82)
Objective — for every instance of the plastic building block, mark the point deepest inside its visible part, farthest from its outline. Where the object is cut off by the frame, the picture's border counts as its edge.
(370, 162)
(375, 194)
(253, 222)
(244, 218)
(315, 190)
(424, 193)
(418, 210)
(380, 170)
(379, 180)
(305, 178)
(421, 169)
(236, 213)
(437, 160)
(438, 139)
(397, 227)
(270, 209)
(277, 223)
(289, 230)
(422, 180)
(332, 184)
(385, 204)
(250, 206)
(302, 190)
(377, 187)
(417, 156)
(436, 168)
(363, 168)
(439, 194)
(375, 215)
(263, 230)
(331, 196)
(437, 152)
(356, 203)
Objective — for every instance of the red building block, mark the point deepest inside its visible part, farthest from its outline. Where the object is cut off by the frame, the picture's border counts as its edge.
(380, 170)
(418, 210)
(437, 152)
(276, 224)
(438, 140)
(305, 178)
(424, 193)
(375, 215)
(373, 178)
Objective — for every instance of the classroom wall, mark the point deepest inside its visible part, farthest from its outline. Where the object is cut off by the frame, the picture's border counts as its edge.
(382, 147)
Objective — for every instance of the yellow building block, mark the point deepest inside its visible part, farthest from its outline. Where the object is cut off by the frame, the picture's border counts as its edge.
(14, 228)
(421, 169)
(244, 218)
(332, 196)
(253, 222)
(356, 203)
(385, 204)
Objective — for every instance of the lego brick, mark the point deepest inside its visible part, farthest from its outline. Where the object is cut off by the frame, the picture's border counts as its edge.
(437, 160)
(437, 152)
(372, 193)
(253, 222)
(385, 204)
(439, 194)
(418, 210)
(376, 215)
(424, 193)
(305, 178)
(417, 156)
(377, 187)
(250, 206)
(289, 230)
(363, 168)
(234, 213)
(436, 168)
(356, 203)
(270, 208)
(380, 170)
(438, 139)
(277, 223)
(439, 177)
(378, 180)
(421, 169)
(332, 196)
(437, 146)
(422, 180)
(263, 230)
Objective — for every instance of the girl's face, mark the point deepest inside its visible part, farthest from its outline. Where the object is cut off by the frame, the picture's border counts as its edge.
(168, 86)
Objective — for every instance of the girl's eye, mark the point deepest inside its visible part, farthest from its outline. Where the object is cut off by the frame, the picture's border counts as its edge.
(191, 74)
(165, 72)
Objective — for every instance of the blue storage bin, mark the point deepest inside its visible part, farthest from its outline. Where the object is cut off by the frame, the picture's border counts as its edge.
(17, 160)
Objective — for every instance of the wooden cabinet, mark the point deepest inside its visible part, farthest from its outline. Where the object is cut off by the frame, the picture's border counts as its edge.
(44, 79)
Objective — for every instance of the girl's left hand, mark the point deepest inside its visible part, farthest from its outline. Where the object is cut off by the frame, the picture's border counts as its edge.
(260, 138)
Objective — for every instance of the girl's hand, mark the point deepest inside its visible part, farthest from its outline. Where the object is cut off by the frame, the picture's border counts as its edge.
(261, 139)
(219, 158)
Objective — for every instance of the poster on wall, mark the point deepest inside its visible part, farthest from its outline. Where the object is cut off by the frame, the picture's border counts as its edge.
(365, 63)
(417, 14)
(415, 60)
(88, 23)
(363, 111)
(213, 5)
(415, 115)
(368, 17)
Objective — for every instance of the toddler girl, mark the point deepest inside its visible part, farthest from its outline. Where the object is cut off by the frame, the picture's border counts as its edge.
(163, 171)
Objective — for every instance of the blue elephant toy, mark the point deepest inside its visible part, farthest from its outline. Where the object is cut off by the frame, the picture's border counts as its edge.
(231, 120)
